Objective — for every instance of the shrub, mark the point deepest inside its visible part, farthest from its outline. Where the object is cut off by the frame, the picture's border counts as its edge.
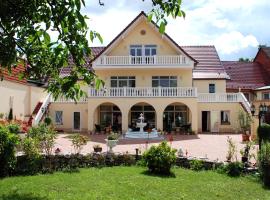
(233, 169)
(196, 165)
(48, 121)
(10, 114)
(245, 121)
(45, 136)
(159, 159)
(263, 132)
(2, 115)
(78, 141)
(13, 128)
(113, 136)
(231, 154)
(8, 142)
(30, 147)
(264, 163)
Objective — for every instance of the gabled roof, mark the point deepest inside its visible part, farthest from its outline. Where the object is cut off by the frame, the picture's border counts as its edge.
(142, 14)
(209, 65)
(266, 50)
(246, 75)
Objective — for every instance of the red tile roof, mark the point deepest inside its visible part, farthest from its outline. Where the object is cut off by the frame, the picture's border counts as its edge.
(14, 75)
(245, 75)
(209, 65)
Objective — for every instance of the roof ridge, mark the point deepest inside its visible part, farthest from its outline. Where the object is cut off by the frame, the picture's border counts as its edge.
(197, 45)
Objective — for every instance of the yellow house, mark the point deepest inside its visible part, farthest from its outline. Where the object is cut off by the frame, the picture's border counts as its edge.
(177, 88)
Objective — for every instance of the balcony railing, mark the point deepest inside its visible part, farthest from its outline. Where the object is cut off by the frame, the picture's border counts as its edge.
(218, 97)
(224, 98)
(64, 100)
(144, 92)
(142, 60)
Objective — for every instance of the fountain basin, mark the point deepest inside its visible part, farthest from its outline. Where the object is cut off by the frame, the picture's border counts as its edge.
(142, 135)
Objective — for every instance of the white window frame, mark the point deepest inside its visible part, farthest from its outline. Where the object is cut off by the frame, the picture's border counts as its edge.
(118, 79)
(263, 93)
(58, 118)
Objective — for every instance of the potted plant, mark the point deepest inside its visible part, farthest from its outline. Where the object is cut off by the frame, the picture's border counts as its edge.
(97, 148)
(244, 123)
(112, 140)
(246, 152)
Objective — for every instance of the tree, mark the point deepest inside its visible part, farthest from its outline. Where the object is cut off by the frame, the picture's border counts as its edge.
(25, 40)
(244, 60)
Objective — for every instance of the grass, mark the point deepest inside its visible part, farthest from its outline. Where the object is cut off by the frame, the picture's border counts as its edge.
(131, 183)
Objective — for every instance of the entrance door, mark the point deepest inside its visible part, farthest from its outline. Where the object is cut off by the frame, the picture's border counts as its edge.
(205, 121)
(214, 121)
(76, 121)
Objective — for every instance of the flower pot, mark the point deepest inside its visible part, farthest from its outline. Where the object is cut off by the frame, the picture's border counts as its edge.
(98, 149)
(245, 137)
(244, 159)
(111, 144)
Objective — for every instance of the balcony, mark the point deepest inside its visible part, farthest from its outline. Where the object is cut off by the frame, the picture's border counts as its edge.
(225, 98)
(144, 92)
(177, 60)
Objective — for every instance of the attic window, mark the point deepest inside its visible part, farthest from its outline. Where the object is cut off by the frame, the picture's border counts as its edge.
(143, 32)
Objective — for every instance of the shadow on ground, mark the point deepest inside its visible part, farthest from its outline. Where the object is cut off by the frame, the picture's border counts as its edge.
(101, 139)
(148, 173)
(21, 196)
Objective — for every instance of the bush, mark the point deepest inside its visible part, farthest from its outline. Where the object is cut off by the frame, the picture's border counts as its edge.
(233, 169)
(48, 121)
(263, 132)
(196, 165)
(45, 136)
(264, 163)
(78, 141)
(8, 142)
(231, 154)
(10, 114)
(13, 128)
(159, 159)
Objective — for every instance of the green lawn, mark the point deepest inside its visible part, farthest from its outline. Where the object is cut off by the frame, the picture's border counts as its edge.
(131, 183)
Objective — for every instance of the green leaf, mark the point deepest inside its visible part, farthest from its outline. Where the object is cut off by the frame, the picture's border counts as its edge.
(92, 36)
(47, 38)
(183, 14)
(162, 27)
(78, 4)
(99, 38)
(149, 17)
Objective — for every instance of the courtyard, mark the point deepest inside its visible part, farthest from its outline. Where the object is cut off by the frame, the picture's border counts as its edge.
(211, 146)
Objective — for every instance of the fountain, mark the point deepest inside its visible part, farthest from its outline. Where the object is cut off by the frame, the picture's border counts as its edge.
(142, 134)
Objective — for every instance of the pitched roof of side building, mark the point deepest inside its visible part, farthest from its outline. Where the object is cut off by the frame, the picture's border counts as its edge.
(245, 75)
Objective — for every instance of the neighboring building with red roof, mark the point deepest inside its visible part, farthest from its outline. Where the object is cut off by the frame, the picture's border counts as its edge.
(252, 78)
(19, 95)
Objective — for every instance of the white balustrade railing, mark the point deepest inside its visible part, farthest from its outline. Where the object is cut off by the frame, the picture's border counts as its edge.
(144, 92)
(142, 60)
(42, 109)
(245, 102)
(224, 97)
(218, 97)
(64, 100)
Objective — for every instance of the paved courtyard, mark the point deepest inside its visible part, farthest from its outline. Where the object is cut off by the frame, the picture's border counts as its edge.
(202, 145)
